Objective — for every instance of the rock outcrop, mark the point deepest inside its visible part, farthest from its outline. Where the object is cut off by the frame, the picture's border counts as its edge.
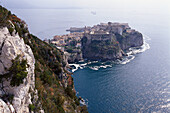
(128, 40)
(6, 107)
(11, 46)
(74, 57)
(101, 47)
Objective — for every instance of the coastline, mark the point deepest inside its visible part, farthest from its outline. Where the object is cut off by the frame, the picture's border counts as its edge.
(126, 59)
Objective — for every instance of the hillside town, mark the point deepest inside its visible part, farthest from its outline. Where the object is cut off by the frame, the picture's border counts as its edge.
(71, 44)
(69, 40)
(76, 34)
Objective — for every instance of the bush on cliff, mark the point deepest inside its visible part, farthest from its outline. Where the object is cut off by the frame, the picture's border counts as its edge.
(45, 77)
(16, 73)
(70, 92)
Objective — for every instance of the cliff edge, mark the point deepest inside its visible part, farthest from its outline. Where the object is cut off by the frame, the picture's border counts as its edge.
(109, 41)
(11, 47)
(33, 74)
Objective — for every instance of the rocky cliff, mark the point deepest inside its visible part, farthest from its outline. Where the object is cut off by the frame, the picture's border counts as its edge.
(128, 40)
(11, 47)
(33, 74)
(109, 41)
(100, 48)
(74, 56)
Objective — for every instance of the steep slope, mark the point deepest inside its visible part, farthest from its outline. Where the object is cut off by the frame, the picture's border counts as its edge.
(128, 40)
(11, 47)
(100, 47)
(51, 90)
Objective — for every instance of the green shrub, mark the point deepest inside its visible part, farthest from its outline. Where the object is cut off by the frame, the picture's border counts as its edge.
(18, 71)
(46, 77)
(84, 109)
(11, 30)
(31, 107)
(61, 110)
(37, 68)
(69, 92)
(60, 100)
(77, 102)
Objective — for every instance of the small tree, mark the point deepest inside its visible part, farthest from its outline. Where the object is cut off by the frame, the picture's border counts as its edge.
(16, 73)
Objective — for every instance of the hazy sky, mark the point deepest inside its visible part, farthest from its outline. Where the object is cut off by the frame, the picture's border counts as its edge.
(85, 3)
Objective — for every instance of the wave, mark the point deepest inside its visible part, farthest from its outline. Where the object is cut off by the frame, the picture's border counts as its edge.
(135, 50)
(77, 66)
(84, 102)
(126, 60)
(96, 65)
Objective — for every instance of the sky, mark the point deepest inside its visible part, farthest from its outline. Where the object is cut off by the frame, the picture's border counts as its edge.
(85, 3)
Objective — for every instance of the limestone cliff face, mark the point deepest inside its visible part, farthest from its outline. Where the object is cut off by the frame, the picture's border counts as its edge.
(6, 107)
(128, 40)
(10, 47)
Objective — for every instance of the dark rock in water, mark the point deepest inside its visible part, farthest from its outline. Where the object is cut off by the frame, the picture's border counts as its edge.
(79, 98)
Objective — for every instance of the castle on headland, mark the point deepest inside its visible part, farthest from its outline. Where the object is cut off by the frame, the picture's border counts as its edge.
(108, 41)
(106, 31)
(102, 31)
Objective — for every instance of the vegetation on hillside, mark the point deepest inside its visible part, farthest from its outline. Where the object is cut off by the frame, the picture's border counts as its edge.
(53, 82)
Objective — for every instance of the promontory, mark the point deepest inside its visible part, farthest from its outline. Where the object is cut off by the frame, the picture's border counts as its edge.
(105, 41)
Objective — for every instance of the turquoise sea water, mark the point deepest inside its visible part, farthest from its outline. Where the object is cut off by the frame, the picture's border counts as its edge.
(141, 85)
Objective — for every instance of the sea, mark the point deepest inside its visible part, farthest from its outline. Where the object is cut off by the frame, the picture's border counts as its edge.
(140, 83)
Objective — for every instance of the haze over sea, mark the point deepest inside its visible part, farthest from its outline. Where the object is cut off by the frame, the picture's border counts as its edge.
(141, 85)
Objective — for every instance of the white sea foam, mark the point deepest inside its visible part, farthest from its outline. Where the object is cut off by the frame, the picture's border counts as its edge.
(84, 102)
(94, 68)
(94, 61)
(98, 67)
(81, 67)
(135, 50)
(127, 59)
(77, 66)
